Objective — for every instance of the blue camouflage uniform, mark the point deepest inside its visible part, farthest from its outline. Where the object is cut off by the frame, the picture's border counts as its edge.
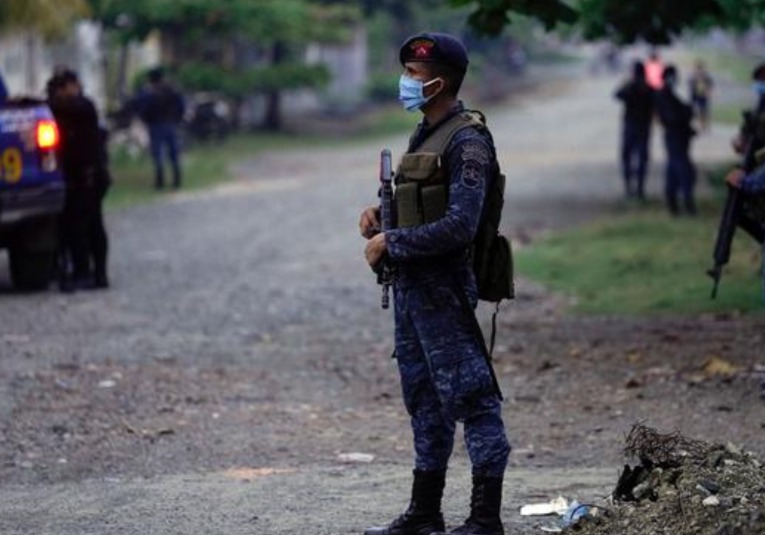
(754, 184)
(441, 359)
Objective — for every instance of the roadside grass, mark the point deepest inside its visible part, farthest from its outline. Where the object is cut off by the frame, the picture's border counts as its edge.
(206, 165)
(644, 262)
(737, 66)
(727, 113)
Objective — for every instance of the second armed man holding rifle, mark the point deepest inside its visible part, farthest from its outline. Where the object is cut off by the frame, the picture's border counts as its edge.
(441, 189)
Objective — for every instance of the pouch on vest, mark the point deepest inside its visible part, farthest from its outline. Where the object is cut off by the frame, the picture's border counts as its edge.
(422, 199)
(492, 252)
(493, 266)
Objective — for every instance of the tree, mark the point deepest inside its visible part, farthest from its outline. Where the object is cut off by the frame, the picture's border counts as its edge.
(622, 21)
(50, 18)
(654, 21)
(212, 44)
(491, 16)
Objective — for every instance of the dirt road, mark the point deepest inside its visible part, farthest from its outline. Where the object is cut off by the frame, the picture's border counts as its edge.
(242, 350)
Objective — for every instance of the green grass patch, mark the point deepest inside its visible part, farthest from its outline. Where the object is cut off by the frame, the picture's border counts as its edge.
(728, 113)
(203, 166)
(738, 66)
(645, 262)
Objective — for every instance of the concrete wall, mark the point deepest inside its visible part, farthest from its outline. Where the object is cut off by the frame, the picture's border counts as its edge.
(27, 61)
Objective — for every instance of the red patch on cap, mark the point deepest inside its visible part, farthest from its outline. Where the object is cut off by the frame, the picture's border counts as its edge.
(421, 48)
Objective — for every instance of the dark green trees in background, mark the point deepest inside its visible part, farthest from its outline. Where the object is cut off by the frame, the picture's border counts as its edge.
(38, 15)
(242, 47)
(235, 47)
(622, 21)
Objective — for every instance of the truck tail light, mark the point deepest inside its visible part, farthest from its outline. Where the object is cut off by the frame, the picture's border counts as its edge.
(47, 135)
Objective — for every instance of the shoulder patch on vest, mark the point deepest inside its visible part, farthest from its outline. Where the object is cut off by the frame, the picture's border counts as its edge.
(473, 151)
(472, 174)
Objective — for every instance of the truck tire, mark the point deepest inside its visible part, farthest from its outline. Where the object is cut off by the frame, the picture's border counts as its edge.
(31, 270)
(32, 258)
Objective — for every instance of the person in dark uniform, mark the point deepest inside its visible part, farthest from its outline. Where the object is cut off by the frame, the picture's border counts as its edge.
(84, 243)
(638, 99)
(444, 374)
(3, 90)
(676, 116)
(161, 107)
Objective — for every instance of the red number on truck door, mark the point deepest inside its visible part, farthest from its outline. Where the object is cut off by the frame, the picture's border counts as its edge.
(11, 165)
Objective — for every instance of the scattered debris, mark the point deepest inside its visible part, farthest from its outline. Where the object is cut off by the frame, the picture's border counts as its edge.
(355, 457)
(248, 474)
(558, 506)
(717, 367)
(575, 512)
(682, 486)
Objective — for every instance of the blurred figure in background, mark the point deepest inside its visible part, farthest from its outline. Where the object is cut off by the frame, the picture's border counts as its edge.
(161, 107)
(676, 116)
(700, 87)
(84, 244)
(3, 90)
(654, 71)
(638, 99)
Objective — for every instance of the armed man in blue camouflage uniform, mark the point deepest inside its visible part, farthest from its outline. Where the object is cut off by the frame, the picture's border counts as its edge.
(752, 184)
(445, 375)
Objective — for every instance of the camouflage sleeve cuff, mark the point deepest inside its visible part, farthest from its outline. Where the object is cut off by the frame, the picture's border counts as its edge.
(755, 182)
(391, 244)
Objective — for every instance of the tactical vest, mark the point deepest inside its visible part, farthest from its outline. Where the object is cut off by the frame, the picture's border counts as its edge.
(422, 184)
(422, 196)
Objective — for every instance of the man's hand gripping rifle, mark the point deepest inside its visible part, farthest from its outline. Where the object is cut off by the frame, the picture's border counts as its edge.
(385, 270)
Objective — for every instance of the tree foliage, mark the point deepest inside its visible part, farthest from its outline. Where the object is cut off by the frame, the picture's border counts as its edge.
(740, 14)
(622, 21)
(206, 76)
(491, 16)
(236, 47)
(52, 18)
(654, 21)
(263, 21)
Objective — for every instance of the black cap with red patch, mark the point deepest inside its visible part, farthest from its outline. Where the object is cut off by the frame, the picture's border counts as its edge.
(431, 47)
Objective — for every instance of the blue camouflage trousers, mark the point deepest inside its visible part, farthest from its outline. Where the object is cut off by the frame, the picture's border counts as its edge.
(445, 378)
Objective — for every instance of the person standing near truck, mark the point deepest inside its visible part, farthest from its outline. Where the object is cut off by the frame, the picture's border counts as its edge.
(84, 242)
(3, 90)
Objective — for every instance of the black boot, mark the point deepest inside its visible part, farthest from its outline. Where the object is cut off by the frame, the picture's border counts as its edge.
(423, 516)
(485, 503)
(159, 180)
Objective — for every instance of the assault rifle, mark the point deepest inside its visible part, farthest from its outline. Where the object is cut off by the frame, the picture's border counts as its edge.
(733, 215)
(385, 271)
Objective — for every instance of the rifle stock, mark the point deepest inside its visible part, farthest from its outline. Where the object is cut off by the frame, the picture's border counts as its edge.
(725, 233)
